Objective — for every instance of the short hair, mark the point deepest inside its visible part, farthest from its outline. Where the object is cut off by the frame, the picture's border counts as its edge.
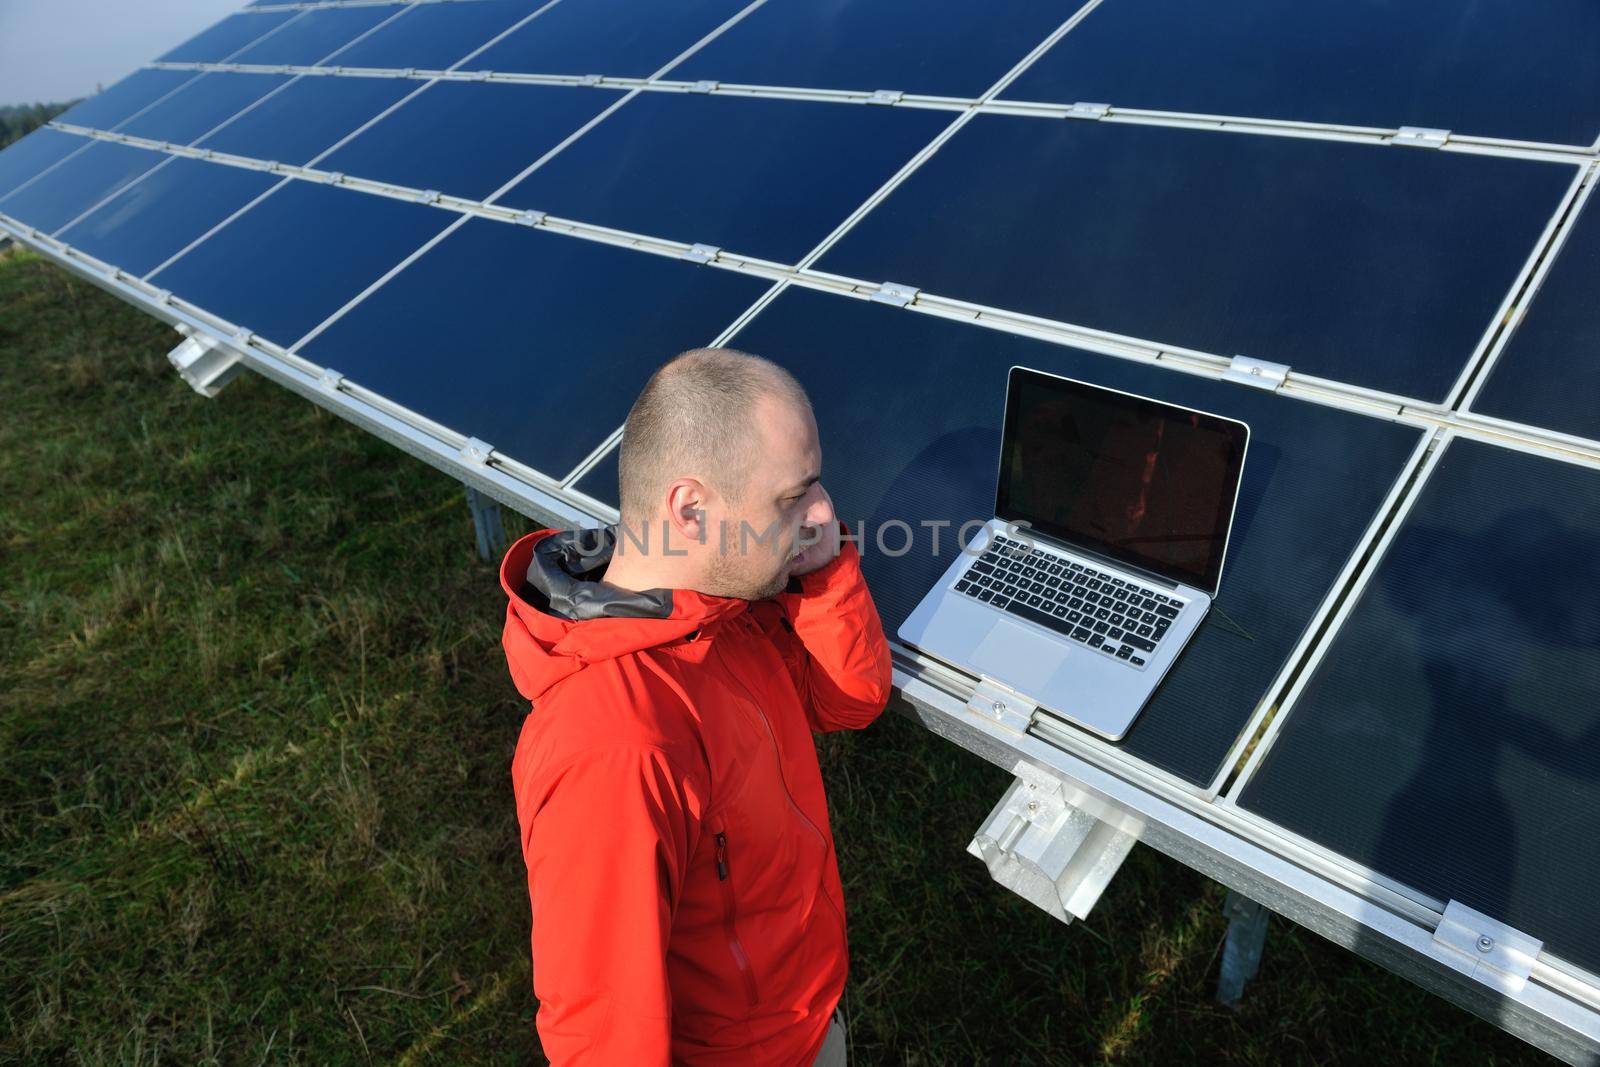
(696, 414)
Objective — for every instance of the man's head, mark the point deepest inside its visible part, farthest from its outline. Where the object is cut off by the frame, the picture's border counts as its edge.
(720, 462)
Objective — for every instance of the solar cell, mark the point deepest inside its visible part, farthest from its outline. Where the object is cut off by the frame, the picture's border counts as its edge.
(434, 36)
(78, 184)
(1381, 267)
(530, 340)
(1549, 372)
(201, 106)
(955, 49)
(1450, 739)
(222, 41)
(478, 135)
(1501, 69)
(35, 153)
(317, 35)
(617, 37)
(298, 256)
(601, 481)
(769, 178)
(308, 117)
(132, 94)
(153, 219)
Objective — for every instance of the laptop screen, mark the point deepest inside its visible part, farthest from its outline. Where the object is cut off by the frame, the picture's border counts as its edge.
(1140, 481)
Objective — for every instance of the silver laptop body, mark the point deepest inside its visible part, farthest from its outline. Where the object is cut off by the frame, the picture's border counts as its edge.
(1112, 519)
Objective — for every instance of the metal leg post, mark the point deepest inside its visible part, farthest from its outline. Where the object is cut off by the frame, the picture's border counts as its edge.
(1241, 953)
(486, 524)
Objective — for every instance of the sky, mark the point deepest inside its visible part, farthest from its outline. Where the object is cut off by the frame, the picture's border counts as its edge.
(60, 49)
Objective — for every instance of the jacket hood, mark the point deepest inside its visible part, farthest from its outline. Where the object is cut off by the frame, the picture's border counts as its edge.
(562, 614)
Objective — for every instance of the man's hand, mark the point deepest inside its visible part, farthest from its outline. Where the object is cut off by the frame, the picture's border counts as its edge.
(821, 545)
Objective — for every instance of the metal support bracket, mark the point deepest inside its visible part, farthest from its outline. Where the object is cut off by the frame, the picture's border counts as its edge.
(1241, 952)
(1087, 111)
(701, 253)
(486, 524)
(704, 87)
(1257, 372)
(1003, 705)
(1495, 954)
(476, 451)
(205, 364)
(1042, 845)
(886, 96)
(1420, 137)
(895, 294)
(531, 218)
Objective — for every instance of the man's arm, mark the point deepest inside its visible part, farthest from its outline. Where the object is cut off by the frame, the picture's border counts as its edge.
(838, 657)
(607, 841)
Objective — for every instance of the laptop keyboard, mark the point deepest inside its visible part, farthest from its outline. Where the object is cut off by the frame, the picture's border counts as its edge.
(1113, 615)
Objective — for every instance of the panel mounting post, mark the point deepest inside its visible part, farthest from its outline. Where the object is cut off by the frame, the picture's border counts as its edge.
(1241, 952)
(486, 524)
(202, 362)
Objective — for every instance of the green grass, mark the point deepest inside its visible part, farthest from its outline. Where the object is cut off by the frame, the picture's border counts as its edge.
(255, 731)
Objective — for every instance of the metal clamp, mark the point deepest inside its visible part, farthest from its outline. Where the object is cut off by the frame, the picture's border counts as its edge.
(476, 451)
(701, 253)
(1420, 137)
(329, 380)
(589, 79)
(704, 87)
(886, 96)
(896, 295)
(1088, 111)
(204, 364)
(1257, 372)
(530, 218)
(1487, 949)
(1002, 704)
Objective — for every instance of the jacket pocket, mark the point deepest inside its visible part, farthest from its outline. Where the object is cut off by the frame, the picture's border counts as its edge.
(741, 959)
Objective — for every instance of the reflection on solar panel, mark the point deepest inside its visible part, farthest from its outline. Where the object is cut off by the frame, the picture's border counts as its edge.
(1450, 739)
(489, 220)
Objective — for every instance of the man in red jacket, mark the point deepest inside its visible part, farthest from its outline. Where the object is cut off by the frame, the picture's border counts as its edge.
(686, 898)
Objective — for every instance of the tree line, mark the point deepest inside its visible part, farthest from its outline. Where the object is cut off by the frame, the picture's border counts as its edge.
(19, 120)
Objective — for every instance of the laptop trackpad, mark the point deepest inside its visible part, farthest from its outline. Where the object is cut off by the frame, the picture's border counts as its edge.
(1018, 657)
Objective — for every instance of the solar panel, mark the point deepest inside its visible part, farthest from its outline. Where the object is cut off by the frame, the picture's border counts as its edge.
(617, 37)
(1495, 69)
(128, 97)
(1549, 372)
(307, 117)
(1450, 738)
(479, 136)
(201, 106)
(951, 49)
(316, 35)
(24, 161)
(496, 312)
(298, 256)
(434, 36)
(77, 183)
(769, 178)
(225, 39)
(600, 482)
(1379, 268)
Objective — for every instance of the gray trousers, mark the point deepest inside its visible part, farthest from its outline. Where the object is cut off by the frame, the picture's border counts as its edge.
(835, 1050)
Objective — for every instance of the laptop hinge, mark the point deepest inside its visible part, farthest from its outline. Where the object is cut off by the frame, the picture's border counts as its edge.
(1002, 705)
(1487, 949)
(1257, 372)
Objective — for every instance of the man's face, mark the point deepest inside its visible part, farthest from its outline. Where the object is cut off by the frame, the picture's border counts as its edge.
(782, 506)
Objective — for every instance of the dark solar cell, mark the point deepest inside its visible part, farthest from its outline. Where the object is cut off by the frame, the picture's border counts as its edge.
(534, 342)
(142, 226)
(478, 136)
(957, 49)
(770, 178)
(617, 37)
(1499, 68)
(226, 38)
(1312, 483)
(1375, 266)
(78, 184)
(308, 117)
(1549, 373)
(298, 256)
(601, 481)
(203, 105)
(1450, 739)
(35, 153)
(318, 35)
(132, 94)
(434, 36)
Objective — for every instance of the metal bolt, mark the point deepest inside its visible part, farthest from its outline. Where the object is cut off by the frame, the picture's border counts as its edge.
(1485, 943)
(1033, 805)
(999, 708)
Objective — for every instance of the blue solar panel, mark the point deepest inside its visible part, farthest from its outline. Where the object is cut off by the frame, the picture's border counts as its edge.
(308, 117)
(601, 481)
(1500, 68)
(153, 219)
(35, 153)
(1450, 739)
(478, 135)
(950, 49)
(198, 108)
(1549, 373)
(132, 94)
(1370, 265)
(225, 39)
(317, 35)
(909, 410)
(770, 178)
(434, 36)
(298, 256)
(532, 341)
(78, 184)
(622, 38)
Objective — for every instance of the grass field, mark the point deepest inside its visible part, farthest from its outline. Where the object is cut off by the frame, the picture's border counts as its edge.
(255, 731)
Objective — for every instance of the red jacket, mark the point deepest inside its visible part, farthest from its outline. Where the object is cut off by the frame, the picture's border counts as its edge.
(685, 891)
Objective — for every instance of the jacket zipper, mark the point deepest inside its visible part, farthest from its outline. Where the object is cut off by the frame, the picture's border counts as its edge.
(735, 946)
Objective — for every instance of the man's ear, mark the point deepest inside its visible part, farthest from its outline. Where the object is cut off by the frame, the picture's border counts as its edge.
(686, 511)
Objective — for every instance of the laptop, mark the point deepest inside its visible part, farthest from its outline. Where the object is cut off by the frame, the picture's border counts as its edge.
(1111, 521)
